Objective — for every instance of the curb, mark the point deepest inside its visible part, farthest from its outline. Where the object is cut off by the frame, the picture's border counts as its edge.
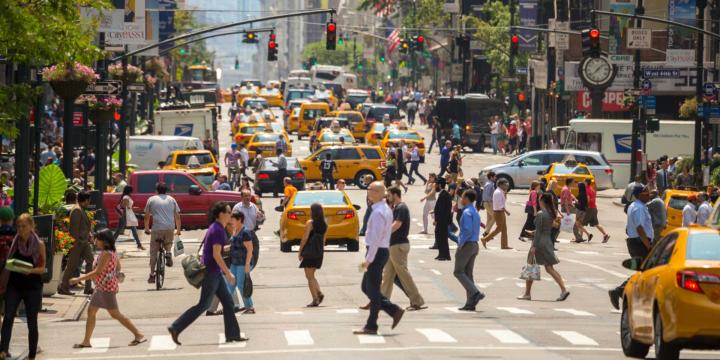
(77, 312)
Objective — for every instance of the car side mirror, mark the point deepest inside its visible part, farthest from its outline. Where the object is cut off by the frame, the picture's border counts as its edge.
(194, 190)
(291, 140)
(633, 264)
(279, 208)
(521, 163)
(356, 206)
(541, 172)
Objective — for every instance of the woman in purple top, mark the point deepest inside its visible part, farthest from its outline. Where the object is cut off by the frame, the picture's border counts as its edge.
(213, 284)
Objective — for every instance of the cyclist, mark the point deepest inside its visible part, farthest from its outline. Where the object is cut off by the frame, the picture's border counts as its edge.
(233, 158)
(165, 214)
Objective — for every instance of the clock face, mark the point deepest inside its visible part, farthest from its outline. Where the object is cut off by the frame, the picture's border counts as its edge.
(597, 71)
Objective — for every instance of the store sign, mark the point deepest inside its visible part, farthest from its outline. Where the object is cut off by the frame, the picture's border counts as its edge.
(613, 101)
(77, 120)
(681, 57)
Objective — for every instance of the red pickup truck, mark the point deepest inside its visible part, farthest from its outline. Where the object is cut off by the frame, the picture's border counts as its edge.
(194, 199)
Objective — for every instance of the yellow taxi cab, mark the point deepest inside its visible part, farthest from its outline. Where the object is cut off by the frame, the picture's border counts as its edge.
(341, 217)
(357, 122)
(264, 142)
(354, 162)
(326, 95)
(375, 135)
(192, 161)
(245, 91)
(246, 130)
(274, 84)
(673, 300)
(308, 113)
(330, 137)
(569, 169)
(254, 102)
(291, 115)
(675, 201)
(409, 137)
(273, 96)
(325, 123)
(278, 128)
(266, 116)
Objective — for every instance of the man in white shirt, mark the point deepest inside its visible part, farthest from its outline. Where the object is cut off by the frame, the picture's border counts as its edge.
(494, 128)
(499, 214)
(689, 212)
(377, 240)
(704, 210)
(245, 159)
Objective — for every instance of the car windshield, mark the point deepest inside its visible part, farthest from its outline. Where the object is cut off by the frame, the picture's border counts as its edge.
(199, 159)
(703, 246)
(562, 170)
(252, 129)
(277, 127)
(265, 137)
(333, 137)
(245, 91)
(310, 114)
(305, 198)
(254, 103)
(405, 135)
(352, 117)
(677, 202)
(379, 112)
(269, 92)
(270, 164)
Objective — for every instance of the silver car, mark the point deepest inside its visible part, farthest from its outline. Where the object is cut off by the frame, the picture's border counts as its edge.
(523, 169)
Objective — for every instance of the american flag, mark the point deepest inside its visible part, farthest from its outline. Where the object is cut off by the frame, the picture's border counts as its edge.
(393, 40)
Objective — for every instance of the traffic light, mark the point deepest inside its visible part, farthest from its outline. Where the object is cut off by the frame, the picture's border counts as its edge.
(272, 48)
(382, 58)
(653, 125)
(590, 42)
(184, 50)
(237, 64)
(341, 39)
(250, 38)
(521, 97)
(404, 46)
(514, 44)
(331, 35)
(419, 43)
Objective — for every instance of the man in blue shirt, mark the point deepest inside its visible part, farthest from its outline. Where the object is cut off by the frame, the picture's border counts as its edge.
(467, 250)
(487, 195)
(445, 157)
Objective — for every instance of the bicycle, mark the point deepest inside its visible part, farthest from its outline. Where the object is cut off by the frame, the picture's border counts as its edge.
(160, 265)
(234, 179)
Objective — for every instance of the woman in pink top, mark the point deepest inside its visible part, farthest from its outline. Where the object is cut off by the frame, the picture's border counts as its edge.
(531, 208)
(105, 276)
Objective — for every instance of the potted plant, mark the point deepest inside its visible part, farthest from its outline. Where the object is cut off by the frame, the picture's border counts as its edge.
(134, 74)
(69, 80)
(101, 108)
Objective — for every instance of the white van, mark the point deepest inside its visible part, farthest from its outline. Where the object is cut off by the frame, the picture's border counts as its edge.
(147, 150)
(613, 139)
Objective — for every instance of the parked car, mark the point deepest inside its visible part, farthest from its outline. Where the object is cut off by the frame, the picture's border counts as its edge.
(267, 171)
(521, 170)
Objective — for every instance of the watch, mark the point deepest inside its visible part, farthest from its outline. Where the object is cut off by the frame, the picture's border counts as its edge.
(597, 71)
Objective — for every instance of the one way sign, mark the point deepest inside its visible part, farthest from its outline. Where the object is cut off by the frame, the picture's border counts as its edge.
(109, 87)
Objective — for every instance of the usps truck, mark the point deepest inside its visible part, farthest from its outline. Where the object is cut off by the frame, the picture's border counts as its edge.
(199, 123)
(613, 139)
(147, 150)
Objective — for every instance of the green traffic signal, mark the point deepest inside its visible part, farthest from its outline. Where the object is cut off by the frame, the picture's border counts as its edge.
(182, 51)
(382, 58)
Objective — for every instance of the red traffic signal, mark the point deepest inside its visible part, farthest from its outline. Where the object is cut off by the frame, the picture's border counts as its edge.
(272, 37)
(521, 97)
(594, 34)
(272, 44)
(330, 35)
(331, 27)
(515, 39)
(420, 39)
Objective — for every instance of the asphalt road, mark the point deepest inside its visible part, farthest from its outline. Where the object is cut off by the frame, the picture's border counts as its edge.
(583, 327)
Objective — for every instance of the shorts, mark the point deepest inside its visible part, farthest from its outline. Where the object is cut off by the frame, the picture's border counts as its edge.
(104, 300)
(591, 217)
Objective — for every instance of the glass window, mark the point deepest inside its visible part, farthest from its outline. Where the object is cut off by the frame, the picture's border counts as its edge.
(379, 112)
(554, 157)
(305, 198)
(535, 160)
(660, 250)
(704, 246)
(352, 117)
(310, 114)
(265, 137)
(252, 129)
(202, 159)
(405, 135)
(677, 202)
(270, 164)
(178, 183)
(371, 154)
(147, 183)
(332, 137)
(348, 154)
(581, 171)
(589, 141)
(587, 160)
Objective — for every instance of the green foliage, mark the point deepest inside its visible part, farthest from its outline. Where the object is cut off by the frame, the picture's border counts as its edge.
(197, 53)
(428, 14)
(52, 188)
(688, 110)
(715, 177)
(15, 103)
(342, 55)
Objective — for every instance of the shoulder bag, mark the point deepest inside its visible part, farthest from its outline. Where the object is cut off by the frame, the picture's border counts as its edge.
(313, 249)
(247, 289)
(531, 271)
(193, 268)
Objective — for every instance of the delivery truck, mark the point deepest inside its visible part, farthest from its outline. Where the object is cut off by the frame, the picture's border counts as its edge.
(198, 122)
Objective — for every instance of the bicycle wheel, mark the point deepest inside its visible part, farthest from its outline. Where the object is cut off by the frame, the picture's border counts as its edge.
(160, 270)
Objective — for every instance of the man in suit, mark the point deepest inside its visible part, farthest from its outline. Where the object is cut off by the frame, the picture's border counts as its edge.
(443, 217)
(663, 178)
(81, 250)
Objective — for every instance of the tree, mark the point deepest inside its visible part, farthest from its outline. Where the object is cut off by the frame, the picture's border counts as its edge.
(194, 53)
(342, 55)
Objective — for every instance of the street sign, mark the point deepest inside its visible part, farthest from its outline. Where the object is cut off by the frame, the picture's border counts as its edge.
(136, 87)
(638, 38)
(510, 79)
(107, 87)
(632, 92)
(709, 112)
(661, 73)
(648, 102)
(562, 41)
(709, 89)
(77, 119)
(521, 71)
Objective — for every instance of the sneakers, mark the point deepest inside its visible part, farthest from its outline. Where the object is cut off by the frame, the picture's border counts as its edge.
(151, 279)
(168, 260)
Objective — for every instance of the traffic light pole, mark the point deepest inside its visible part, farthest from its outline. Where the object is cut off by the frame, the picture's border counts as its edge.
(511, 62)
(639, 10)
(700, 50)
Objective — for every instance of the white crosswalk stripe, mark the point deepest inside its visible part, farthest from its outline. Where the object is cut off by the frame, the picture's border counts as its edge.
(436, 272)
(233, 345)
(437, 336)
(290, 313)
(371, 339)
(514, 310)
(161, 343)
(347, 311)
(99, 345)
(576, 338)
(576, 312)
(507, 336)
(298, 337)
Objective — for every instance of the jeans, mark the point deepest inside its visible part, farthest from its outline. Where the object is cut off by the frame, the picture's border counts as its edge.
(414, 165)
(212, 285)
(371, 287)
(33, 302)
(239, 272)
(122, 225)
(493, 143)
(368, 211)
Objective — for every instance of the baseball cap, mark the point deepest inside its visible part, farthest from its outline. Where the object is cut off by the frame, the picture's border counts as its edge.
(233, 145)
(638, 189)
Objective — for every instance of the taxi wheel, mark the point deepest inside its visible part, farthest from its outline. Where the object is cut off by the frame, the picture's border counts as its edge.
(359, 176)
(630, 347)
(353, 246)
(663, 350)
(509, 180)
(285, 246)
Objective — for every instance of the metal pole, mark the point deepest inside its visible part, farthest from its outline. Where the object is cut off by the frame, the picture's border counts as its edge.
(639, 10)
(22, 150)
(511, 62)
(700, 50)
(36, 158)
(123, 120)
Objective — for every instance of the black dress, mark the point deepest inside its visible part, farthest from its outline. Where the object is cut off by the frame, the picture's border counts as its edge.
(315, 263)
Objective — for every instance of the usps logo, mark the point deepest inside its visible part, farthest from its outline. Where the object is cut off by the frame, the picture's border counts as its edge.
(623, 143)
(183, 129)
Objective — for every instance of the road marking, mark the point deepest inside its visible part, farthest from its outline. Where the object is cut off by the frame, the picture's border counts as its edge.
(576, 338)
(514, 310)
(347, 311)
(161, 343)
(435, 272)
(437, 336)
(233, 345)
(500, 279)
(289, 312)
(99, 345)
(520, 285)
(507, 336)
(596, 267)
(576, 312)
(414, 219)
(298, 337)
(421, 261)
(483, 285)
(419, 224)
(587, 252)
(371, 339)
(456, 310)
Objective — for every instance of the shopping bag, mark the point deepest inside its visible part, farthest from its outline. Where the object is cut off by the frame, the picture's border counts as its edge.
(531, 271)
(247, 289)
(567, 223)
(178, 247)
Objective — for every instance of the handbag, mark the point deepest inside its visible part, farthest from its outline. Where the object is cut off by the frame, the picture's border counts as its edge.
(247, 289)
(567, 223)
(531, 271)
(313, 248)
(193, 268)
(178, 247)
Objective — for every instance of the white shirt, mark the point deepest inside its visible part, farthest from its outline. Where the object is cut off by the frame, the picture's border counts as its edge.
(704, 212)
(494, 127)
(689, 215)
(498, 200)
(414, 154)
(378, 230)
(245, 156)
(250, 212)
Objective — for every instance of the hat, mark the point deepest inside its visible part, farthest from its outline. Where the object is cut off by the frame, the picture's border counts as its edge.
(638, 189)
(6, 213)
